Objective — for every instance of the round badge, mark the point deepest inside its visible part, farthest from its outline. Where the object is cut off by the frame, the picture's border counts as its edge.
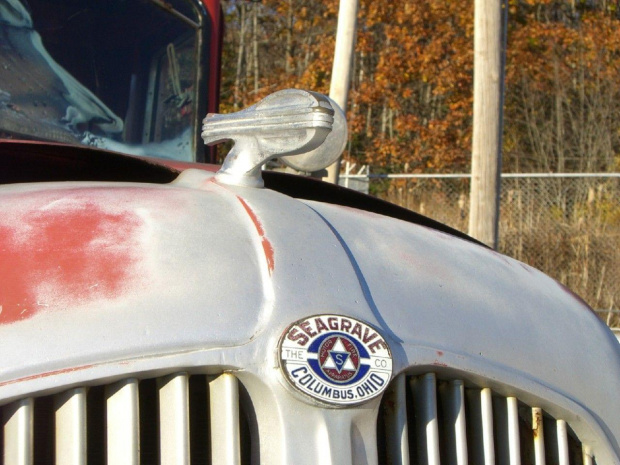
(335, 359)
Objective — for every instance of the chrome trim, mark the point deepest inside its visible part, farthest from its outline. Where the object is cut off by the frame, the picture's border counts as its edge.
(287, 122)
(426, 419)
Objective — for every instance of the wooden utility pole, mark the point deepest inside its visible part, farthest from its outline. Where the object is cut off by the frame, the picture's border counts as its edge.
(255, 45)
(240, 55)
(341, 70)
(489, 43)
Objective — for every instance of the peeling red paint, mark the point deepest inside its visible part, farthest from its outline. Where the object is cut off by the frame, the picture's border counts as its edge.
(45, 375)
(267, 247)
(62, 247)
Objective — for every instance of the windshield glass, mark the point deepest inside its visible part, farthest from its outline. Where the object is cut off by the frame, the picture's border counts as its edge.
(115, 74)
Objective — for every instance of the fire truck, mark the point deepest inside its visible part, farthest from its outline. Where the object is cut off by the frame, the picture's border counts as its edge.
(157, 309)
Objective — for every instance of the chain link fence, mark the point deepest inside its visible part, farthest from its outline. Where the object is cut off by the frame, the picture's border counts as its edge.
(567, 226)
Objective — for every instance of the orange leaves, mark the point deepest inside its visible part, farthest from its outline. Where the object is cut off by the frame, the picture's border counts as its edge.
(409, 84)
(563, 75)
(588, 43)
(410, 101)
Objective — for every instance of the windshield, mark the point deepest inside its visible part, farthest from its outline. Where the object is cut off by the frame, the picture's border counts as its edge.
(115, 74)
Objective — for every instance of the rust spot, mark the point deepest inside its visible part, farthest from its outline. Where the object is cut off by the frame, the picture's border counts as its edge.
(537, 422)
(440, 353)
(267, 247)
(390, 404)
(75, 251)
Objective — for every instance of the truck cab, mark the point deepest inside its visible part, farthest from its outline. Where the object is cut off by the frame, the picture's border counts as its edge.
(155, 309)
(133, 77)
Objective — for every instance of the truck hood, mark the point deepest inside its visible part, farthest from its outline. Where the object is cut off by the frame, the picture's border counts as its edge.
(96, 276)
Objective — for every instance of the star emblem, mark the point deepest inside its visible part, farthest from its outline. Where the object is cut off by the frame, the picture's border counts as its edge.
(339, 358)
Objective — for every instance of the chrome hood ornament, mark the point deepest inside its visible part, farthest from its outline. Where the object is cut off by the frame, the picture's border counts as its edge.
(307, 130)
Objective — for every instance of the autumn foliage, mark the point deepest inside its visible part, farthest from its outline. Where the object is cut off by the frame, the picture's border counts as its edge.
(410, 105)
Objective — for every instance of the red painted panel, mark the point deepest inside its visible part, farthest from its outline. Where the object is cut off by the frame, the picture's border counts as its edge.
(62, 249)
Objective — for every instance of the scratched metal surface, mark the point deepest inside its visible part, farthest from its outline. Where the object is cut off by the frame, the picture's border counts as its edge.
(99, 280)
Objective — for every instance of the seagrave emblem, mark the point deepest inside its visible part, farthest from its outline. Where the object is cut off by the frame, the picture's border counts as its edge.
(335, 359)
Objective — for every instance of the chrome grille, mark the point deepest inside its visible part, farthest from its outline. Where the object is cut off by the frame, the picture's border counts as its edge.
(201, 419)
(177, 419)
(423, 420)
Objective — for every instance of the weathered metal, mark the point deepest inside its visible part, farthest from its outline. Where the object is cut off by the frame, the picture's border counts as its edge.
(100, 281)
(118, 276)
(287, 123)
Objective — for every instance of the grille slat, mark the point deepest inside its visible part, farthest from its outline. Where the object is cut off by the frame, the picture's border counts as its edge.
(425, 395)
(178, 419)
(225, 430)
(424, 420)
(70, 434)
(123, 425)
(562, 443)
(538, 431)
(174, 419)
(514, 441)
(453, 425)
(18, 432)
(460, 424)
(501, 426)
(396, 424)
(472, 425)
(486, 414)
(475, 439)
